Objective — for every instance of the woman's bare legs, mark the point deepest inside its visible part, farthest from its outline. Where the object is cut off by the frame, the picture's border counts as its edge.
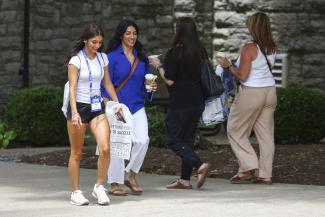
(76, 138)
(101, 131)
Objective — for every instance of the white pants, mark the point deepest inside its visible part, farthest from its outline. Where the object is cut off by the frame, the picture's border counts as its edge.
(139, 149)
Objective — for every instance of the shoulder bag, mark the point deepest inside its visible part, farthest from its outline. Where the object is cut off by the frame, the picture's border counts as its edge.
(210, 82)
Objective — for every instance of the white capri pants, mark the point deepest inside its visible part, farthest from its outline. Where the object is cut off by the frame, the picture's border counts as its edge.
(117, 167)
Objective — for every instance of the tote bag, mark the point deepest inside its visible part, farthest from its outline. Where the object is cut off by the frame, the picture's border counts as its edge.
(121, 134)
(64, 108)
(214, 112)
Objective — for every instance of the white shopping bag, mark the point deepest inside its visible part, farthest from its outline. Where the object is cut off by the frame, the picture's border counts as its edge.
(213, 112)
(65, 99)
(121, 133)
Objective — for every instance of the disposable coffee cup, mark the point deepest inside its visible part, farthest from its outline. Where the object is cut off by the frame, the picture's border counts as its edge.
(156, 56)
(220, 55)
(149, 79)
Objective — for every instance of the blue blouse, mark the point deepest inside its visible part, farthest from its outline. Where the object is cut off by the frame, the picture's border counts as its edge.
(132, 94)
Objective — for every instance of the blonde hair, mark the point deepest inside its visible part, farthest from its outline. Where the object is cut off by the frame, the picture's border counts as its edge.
(259, 27)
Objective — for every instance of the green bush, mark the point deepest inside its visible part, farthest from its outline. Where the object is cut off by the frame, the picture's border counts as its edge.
(6, 135)
(300, 116)
(35, 115)
(156, 121)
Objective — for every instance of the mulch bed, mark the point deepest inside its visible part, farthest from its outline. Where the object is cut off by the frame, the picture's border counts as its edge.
(295, 164)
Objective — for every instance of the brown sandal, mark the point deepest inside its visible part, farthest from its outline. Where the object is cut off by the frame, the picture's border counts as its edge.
(262, 181)
(246, 179)
(177, 184)
(117, 192)
(202, 173)
(133, 188)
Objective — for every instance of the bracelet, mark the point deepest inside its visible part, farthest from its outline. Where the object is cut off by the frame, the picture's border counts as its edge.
(73, 114)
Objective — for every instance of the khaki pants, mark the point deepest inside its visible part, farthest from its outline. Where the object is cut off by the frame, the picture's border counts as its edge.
(253, 109)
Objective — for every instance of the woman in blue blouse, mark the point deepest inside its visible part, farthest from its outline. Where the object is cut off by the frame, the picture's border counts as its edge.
(123, 49)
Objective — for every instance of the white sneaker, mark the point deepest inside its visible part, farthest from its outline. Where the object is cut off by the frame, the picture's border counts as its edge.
(99, 193)
(78, 199)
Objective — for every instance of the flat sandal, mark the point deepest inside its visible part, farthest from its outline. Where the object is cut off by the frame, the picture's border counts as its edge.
(246, 179)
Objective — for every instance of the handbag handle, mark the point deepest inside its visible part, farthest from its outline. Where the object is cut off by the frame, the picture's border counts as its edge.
(135, 63)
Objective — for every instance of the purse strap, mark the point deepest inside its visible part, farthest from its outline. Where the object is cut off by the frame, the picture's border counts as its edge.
(135, 63)
(267, 61)
(264, 54)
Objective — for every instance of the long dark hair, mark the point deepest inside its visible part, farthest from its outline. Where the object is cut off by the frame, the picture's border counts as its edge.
(259, 27)
(119, 32)
(91, 30)
(191, 51)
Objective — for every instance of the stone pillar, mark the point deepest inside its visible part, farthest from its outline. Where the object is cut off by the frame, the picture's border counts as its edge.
(11, 46)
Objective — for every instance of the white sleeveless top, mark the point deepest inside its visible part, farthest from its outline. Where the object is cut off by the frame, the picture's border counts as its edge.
(260, 74)
(97, 72)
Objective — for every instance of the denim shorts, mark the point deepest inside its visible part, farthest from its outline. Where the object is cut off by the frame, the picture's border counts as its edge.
(85, 113)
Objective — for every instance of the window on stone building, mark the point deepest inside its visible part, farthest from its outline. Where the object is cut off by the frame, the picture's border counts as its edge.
(280, 70)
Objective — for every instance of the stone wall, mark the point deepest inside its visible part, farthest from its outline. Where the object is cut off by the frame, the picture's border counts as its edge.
(202, 12)
(11, 46)
(298, 27)
(56, 24)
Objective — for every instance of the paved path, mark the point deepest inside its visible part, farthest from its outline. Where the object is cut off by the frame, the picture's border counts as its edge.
(43, 191)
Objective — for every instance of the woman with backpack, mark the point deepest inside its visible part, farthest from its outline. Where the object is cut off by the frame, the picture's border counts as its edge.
(87, 68)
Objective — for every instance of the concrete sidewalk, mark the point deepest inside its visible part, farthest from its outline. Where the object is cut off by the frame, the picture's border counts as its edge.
(43, 191)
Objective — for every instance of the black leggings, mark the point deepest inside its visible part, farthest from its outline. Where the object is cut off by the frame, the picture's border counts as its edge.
(181, 126)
